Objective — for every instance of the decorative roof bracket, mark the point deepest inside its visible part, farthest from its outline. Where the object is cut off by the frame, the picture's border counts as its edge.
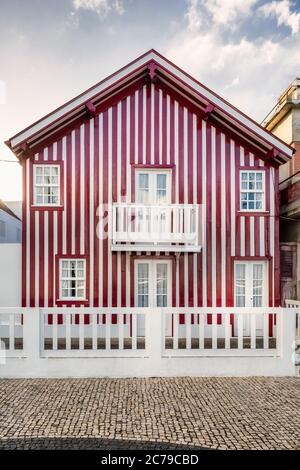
(90, 109)
(152, 71)
(208, 111)
(273, 153)
(25, 151)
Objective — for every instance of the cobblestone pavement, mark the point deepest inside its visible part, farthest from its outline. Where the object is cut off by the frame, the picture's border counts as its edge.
(179, 413)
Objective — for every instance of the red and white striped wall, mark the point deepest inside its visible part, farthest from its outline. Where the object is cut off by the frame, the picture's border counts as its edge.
(154, 127)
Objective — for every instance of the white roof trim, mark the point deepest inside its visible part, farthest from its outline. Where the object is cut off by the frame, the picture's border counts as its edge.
(272, 140)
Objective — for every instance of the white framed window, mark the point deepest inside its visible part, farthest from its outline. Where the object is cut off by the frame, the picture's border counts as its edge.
(252, 190)
(46, 185)
(72, 279)
(153, 186)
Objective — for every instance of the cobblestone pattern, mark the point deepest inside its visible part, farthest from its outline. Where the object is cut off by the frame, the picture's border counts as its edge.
(180, 413)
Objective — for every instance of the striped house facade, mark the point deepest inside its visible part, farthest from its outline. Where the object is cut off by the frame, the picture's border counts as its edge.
(149, 117)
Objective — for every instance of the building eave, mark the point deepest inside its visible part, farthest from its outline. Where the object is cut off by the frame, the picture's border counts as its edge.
(21, 143)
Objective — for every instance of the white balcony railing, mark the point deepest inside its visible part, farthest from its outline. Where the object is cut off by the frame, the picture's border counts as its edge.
(173, 227)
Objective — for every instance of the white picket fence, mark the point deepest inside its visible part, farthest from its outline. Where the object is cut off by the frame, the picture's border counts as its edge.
(295, 304)
(62, 342)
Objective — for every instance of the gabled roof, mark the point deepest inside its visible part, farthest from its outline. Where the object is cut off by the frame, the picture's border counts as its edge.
(6, 209)
(152, 64)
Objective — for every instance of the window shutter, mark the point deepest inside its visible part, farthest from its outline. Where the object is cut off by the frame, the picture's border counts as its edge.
(286, 263)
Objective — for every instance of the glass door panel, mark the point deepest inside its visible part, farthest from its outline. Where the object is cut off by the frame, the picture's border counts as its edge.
(240, 285)
(143, 285)
(257, 285)
(143, 196)
(161, 285)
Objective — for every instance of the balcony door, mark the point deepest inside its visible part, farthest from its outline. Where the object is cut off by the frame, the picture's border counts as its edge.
(251, 287)
(153, 192)
(153, 187)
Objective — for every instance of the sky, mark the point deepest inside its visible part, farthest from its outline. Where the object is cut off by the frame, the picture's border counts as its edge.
(248, 51)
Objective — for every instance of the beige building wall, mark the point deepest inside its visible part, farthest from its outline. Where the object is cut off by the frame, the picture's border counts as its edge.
(284, 122)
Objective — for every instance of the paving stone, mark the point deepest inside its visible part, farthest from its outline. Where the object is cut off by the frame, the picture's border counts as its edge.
(156, 413)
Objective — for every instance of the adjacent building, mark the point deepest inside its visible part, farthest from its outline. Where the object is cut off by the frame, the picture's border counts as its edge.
(10, 225)
(284, 122)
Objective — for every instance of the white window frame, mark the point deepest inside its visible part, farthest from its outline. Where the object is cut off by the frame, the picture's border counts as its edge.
(43, 185)
(76, 278)
(257, 191)
(152, 184)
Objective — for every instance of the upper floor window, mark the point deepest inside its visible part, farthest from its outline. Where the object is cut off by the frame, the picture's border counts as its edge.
(46, 185)
(153, 186)
(252, 190)
(72, 279)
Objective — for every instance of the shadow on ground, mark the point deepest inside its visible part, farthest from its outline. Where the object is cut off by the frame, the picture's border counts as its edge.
(89, 444)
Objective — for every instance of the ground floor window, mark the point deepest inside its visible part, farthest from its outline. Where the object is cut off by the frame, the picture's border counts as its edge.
(72, 279)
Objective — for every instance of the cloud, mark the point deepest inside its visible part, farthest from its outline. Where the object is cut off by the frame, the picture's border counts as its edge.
(282, 11)
(101, 7)
(226, 12)
(221, 12)
(192, 16)
(233, 83)
(250, 73)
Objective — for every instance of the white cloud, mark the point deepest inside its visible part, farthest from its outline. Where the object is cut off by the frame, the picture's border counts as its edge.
(101, 7)
(226, 12)
(233, 83)
(221, 12)
(249, 73)
(281, 10)
(192, 15)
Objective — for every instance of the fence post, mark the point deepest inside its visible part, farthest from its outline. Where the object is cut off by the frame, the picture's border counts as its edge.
(288, 335)
(155, 334)
(31, 333)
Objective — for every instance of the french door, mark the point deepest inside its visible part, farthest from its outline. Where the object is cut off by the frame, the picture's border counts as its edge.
(250, 286)
(153, 285)
(153, 190)
(153, 187)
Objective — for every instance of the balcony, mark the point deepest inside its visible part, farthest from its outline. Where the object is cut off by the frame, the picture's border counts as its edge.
(166, 227)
